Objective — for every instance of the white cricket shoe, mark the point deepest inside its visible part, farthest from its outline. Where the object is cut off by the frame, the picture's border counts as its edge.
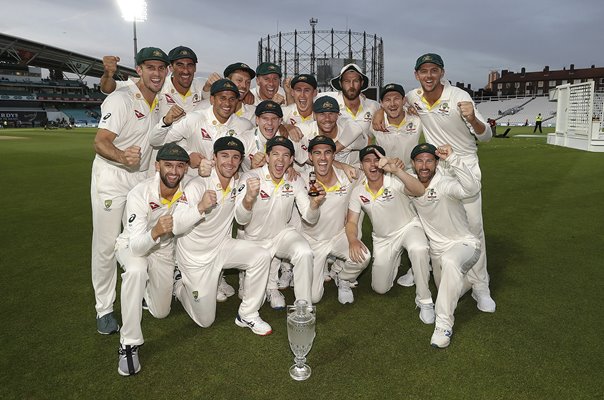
(128, 363)
(484, 301)
(227, 289)
(426, 313)
(256, 324)
(345, 292)
(220, 296)
(407, 279)
(286, 279)
(441, 337)
(276, 299)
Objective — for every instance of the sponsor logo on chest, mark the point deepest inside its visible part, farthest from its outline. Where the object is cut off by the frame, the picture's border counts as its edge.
(205, 135)
(139, 114)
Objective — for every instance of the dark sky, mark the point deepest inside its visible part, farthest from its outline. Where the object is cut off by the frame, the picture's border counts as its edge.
(473, 37)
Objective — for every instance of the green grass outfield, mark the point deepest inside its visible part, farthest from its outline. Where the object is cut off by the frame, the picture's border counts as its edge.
(544, 217)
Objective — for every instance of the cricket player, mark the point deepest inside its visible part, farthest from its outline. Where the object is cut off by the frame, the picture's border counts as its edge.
(345, 133)
(268, 81)
(204, 219)
(268, 119)
(303, 91)
(265, 202)
(454, 249)
(449, 116)
(382, 194)
(200, 129)
(327, 236)
(402, 129)
(145, 249)
(353, 105)
(121, 162)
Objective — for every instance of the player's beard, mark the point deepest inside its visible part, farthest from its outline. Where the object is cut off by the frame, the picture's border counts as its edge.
(351, 94)
(167, 183)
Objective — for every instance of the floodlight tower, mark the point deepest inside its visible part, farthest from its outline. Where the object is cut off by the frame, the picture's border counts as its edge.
(133, 10)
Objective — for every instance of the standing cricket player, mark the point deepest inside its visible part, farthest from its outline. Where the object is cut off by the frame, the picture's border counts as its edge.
(145, 249)
(448, 116)
(382, 194)
(454, 249)
(204, 218)
(121, 162)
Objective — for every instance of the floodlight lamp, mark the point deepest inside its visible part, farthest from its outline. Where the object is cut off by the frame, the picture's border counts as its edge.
(133, 10)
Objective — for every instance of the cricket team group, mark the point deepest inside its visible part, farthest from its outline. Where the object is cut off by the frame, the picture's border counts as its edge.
(194, 176)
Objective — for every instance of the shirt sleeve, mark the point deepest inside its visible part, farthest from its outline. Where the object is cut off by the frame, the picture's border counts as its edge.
(186, 215)
(137, 210)
(465, 184)
(114, 112)
(354, 203)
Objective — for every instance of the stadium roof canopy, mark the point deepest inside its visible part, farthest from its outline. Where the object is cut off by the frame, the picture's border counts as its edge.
(25, 52)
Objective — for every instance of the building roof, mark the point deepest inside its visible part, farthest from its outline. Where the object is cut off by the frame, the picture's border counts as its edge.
(558, 75)
(26, 52)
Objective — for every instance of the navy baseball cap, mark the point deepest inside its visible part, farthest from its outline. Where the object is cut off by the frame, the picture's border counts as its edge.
(326, 104)
(280, 141)
(423, 148)
(180, 52)
(172, 152)
(321, 139)
(228, 143)
(371, 149)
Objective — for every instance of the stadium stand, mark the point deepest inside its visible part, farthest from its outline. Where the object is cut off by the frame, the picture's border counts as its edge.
(516, 111)
(29, 99)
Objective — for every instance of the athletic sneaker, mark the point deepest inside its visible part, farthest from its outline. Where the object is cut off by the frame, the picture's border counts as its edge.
(128, 363)
(344, 292)
(426, 313)
(484, 301)
(407, 279)
(227, 289)
(107, 324)
(441, 337)
(177, 282)
(276, 299)
(256, 324)
(286, 279)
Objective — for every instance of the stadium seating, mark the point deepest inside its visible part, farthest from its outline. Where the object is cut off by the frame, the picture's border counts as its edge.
(514, 112)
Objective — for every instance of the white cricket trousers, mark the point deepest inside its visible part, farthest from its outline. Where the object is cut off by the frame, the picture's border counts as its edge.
(109, 186)
(199, 284)
(149, 277)
(387, 258)
(291, 245)
(450, 269)
(478, 276)
(337, 247)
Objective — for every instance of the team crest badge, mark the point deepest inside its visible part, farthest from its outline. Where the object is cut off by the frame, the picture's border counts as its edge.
(108, 204)
(431, 196)
(444, 108)
(368, 116)
(410, 127)
(195, 294)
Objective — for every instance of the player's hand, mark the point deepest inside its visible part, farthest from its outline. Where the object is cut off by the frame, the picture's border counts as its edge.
(357, 250)
(444, 151)
(205, 167)
(388, 164)
(279, 99)
(207, 202)
(378, 122)
(174, 114)
(164, 225)
(258, 160)
(110, 65)
(316, 201)
(132, 156)
(292, 174)
(294, 133)
(195, 159)
(249, 98)
(409, 108)
(287, 86)
(253, 188)
(466, 108)
(211, 79)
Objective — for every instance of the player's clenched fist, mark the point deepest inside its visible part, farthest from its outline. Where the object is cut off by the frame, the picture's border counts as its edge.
(316, 201)
(164, 225)
(132, 156)
(444, 151)
(466, 108)
(253, 188)
(174, 114)
(258, 160)
(207, 201)
(205, 166)
(110, 64)
(211, 79)
(279, 99)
